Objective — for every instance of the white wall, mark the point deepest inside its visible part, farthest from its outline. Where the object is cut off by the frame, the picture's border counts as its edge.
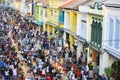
(109, 13)
(78, 23)
(83, 26)
(106, 60)
(67, 20)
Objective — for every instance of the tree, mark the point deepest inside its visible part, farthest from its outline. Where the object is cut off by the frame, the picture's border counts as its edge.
(109, 72)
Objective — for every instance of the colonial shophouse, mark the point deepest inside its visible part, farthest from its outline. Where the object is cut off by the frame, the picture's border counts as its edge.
(111, 37)
(94, 32)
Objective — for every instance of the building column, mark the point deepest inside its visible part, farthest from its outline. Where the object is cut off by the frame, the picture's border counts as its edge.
(71, 41)
(44, 27)
(48, 29)
(89, 53)
(53, 30)
(104, 59)
(64, 38)
(79, 48)
(78, 24)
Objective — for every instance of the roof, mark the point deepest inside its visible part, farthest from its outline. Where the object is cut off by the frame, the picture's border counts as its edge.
(113, 53)
(92, 2)
(44, 2)
(74, 4)
(67, 3)
(112, 3)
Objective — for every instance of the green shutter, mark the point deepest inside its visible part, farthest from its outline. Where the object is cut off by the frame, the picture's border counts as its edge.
(92, 30)
(95, 32)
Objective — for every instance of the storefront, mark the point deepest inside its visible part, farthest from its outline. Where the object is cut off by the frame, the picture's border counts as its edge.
(39, 25)
(93, 55)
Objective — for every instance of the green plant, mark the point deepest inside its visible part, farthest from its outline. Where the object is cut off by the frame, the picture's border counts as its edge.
(109, 72)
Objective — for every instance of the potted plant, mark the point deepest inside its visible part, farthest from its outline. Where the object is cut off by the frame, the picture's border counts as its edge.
(109, 72)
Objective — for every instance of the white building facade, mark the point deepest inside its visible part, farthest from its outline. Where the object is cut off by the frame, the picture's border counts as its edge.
(82, 31)
(111, 38)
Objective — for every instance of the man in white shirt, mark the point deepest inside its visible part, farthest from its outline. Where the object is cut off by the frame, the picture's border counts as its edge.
(6, 74)
(14, 72)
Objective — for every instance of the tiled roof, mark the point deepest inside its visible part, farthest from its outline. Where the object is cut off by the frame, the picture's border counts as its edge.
(67, 3)
(76, 4)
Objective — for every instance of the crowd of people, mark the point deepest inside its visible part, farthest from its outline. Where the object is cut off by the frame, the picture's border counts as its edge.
(27, 53)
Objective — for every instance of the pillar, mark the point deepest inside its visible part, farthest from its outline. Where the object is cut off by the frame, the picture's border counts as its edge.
(64, 38)
(48, 29)
(53, 30)
(71, 41)
(79, 48)
(104, 62)
(78, 29)
(44, 27)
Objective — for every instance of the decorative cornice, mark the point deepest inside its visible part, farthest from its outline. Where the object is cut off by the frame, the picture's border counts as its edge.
(96, 6)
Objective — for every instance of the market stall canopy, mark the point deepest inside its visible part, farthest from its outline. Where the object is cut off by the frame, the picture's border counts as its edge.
(37, 22)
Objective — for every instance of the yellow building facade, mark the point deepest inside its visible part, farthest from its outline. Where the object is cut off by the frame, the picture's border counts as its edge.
(51, 18)
(73, 26)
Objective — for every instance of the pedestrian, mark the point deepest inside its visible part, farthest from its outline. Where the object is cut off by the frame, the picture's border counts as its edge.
(14, 72)
(103, 77)
(48, 77)
(96, 77)
(90, 74)
(6, 74)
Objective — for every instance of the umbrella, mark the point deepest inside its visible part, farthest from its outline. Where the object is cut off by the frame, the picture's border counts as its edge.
(3, 64)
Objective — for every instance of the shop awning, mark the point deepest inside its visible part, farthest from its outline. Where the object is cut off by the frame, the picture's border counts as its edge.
(113, 53)
(80, 38)
(37, 22)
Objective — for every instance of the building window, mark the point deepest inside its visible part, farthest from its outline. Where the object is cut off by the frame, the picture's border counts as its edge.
(51, 14)
(41, 12)
(46, 13)
(110, 32)
(55, 16)
(117, 34)
(96, 32)
(83, 28)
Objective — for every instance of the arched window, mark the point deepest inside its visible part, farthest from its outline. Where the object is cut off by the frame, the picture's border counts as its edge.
(110, 40)
(117, 34)
(95, 32)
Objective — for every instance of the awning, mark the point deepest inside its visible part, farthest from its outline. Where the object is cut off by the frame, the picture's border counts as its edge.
(70, 32)
(37, 22)
(113, 53)
(80, 38)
